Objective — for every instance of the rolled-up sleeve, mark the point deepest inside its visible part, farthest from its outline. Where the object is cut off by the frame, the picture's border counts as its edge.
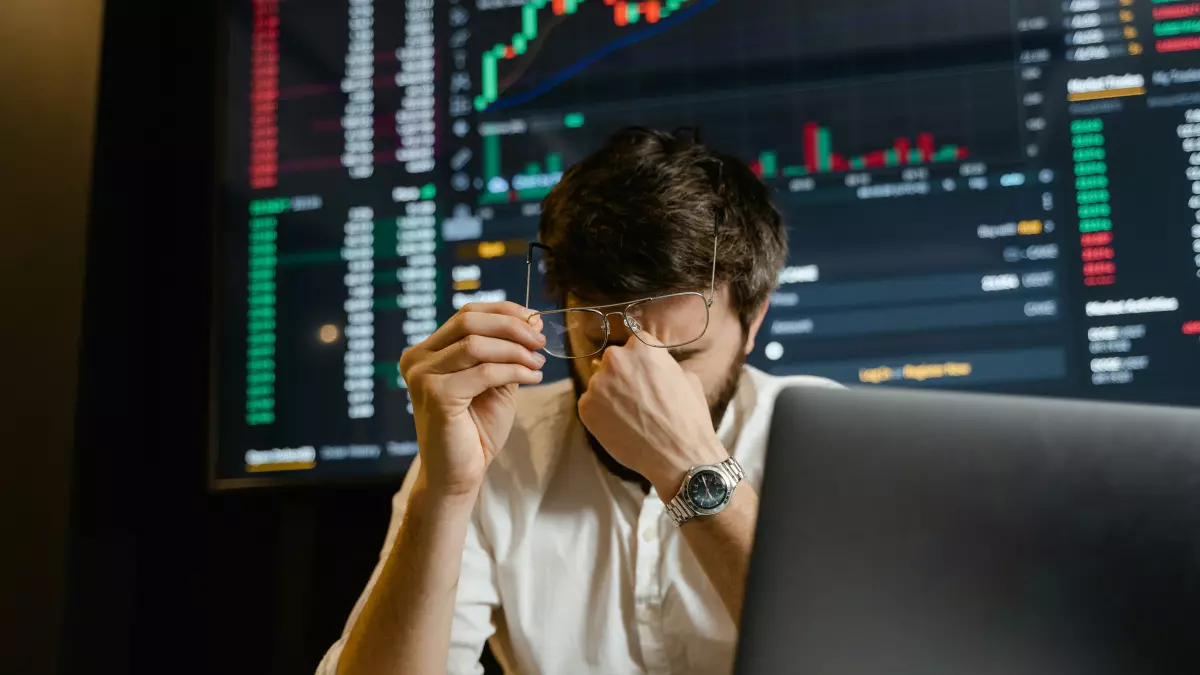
(476, 601)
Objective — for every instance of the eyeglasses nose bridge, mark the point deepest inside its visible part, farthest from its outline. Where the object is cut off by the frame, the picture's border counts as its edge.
(626, 320)
(629, 322)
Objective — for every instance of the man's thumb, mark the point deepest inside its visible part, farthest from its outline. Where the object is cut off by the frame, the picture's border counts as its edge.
(648, 338)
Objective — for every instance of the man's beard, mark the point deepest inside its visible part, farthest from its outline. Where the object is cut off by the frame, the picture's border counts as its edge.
(716, 411)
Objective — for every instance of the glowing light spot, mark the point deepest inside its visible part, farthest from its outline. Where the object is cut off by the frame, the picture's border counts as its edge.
(773, 351)
(328, 334)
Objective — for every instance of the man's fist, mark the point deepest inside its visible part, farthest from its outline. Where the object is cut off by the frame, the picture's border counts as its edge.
(649, 414)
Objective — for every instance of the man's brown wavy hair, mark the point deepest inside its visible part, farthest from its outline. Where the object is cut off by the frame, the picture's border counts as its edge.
(637, 217)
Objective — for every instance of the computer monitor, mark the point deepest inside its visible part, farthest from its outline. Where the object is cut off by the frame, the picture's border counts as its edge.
(993, 195)
(922, 532)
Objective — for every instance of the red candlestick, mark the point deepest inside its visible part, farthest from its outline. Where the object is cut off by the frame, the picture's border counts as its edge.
(925, 145)
(810, 147)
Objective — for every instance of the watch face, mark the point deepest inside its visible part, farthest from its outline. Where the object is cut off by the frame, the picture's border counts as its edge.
(707, 490)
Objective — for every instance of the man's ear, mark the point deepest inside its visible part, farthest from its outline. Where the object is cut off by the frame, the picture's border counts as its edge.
(755, 324)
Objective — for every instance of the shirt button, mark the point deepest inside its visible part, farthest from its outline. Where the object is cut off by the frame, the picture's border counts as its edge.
(648, 534)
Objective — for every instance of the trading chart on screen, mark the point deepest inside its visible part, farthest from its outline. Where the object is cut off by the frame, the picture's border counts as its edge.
(998, 195)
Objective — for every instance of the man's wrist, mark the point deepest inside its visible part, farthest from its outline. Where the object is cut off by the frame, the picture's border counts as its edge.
(431, 498)
(670, 479)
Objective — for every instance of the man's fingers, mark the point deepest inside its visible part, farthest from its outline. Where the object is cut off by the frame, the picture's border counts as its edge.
(505, 326)
(476, 349)
(648, 338)
(469, 383)
(509, 308)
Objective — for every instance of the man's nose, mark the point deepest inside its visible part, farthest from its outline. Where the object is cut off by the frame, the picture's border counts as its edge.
(618, 331)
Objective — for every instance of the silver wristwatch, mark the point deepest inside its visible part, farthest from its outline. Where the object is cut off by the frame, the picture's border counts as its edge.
(706, 490)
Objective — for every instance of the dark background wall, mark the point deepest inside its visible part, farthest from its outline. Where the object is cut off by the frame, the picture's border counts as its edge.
(163, 576)
(48, 64)
(115, 557)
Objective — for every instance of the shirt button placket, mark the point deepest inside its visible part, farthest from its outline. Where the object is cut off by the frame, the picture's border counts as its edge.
(648, 590)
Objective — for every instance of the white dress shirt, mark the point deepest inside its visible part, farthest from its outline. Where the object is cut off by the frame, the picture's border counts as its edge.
(568, 569)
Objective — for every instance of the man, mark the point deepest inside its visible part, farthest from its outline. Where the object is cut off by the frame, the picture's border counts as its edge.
(550, 521)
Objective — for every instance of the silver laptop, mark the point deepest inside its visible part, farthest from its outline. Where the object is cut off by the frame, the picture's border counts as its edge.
(916, 533)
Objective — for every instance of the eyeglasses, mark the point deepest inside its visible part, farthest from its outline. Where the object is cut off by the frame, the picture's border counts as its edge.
(679, 318)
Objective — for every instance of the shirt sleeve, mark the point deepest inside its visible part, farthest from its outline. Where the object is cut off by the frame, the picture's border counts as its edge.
(475, 602)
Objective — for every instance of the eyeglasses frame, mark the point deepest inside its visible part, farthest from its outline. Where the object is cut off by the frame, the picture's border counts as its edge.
(629, 322)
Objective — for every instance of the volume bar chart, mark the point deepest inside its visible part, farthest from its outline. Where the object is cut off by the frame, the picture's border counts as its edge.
(819, 156)
(532, 183)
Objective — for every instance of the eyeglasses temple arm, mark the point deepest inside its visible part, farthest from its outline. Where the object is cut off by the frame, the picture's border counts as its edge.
(529, 267)
(712, 286)
(528, 273)
(720, 183)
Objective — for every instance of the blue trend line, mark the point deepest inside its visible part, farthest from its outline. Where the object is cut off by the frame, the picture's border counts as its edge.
(579, 66)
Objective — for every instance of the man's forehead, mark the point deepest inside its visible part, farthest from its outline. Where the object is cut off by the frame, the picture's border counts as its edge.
(576, 300)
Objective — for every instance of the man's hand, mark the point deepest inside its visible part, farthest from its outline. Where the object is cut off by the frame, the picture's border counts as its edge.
(650, 414)
(463, 380)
